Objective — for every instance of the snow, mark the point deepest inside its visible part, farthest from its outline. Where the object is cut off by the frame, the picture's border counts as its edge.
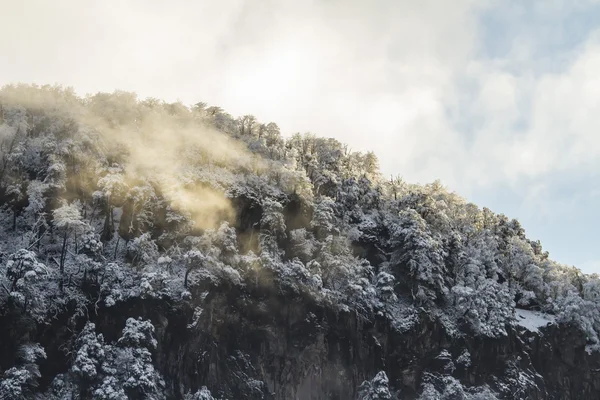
(533, 320)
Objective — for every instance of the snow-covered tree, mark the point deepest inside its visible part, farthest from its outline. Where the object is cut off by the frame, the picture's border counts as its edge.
(68, 221)
(90, 355)
(142, 250)
(29, 283)
(376, 389)
(19, 382)
(324, 221)
(123, 370)
(194, 260)
(486, 304)
(417, 253)
(272, 220)
(385, 286)
(585, 314)
(449, 388)
(302, 244)
(112, 189)
(202, 394)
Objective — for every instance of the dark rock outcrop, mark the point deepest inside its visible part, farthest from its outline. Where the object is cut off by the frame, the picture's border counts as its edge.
(275, 346)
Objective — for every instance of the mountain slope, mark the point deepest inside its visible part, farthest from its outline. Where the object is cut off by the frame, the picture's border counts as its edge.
(153, 250)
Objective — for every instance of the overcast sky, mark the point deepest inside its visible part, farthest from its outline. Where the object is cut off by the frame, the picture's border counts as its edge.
(498, 99)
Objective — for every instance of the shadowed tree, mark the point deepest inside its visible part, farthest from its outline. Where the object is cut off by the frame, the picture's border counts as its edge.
(68, 221)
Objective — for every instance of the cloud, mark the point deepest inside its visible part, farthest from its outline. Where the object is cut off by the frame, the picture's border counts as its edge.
(481, 94)
(410, 80)
(337, 68)
(591, 267)
(150, 142)
(534, 126)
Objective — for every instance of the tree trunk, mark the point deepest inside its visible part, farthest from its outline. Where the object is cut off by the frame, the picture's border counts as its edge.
(185, 279)
(107, 230)
(40, 233)
(63, 256)
(117, 246)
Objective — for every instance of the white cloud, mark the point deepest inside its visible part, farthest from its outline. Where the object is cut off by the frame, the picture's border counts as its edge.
(409, 80)
(425, 84)
(498, 95)
(590, 267)
(378, 78)
(560, 121)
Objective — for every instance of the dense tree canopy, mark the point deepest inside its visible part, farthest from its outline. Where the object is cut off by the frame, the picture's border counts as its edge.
(108, 198)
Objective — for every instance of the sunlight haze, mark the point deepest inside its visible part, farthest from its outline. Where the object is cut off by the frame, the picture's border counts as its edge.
(500, 100)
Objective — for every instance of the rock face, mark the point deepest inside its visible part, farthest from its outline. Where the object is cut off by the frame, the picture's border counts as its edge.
(280, 347)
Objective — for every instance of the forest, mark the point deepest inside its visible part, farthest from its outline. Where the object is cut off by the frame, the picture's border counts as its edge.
(154, 250)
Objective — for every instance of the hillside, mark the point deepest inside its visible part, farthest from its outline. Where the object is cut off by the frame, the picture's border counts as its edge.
(157, 251)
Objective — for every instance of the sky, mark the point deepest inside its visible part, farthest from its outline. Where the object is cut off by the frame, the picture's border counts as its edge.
(500, 100)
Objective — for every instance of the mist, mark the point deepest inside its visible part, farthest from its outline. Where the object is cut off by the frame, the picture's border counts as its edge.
(163, 143)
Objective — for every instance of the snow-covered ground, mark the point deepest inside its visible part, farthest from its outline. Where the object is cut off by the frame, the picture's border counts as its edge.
(533, 320)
